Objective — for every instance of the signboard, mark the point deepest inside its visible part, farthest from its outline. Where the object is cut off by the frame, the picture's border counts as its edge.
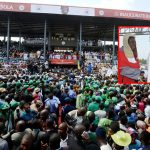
(141, 30)
(63, 62)
(66, 10)
(35, 41)
(122, 14)
(73, 10)
(20, 7)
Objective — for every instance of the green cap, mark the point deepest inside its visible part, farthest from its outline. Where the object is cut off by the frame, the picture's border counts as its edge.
(25, 86)
(115, 100)
(104, 96)
(104, 122)
(4, 106)
(106, 104)
(98, 98)
(30, 82)
(18, 84)
(87, 113)
(86, 88)
(38, 82)
(105, 87)
(93, 97)
(14, 104)
(95, 86)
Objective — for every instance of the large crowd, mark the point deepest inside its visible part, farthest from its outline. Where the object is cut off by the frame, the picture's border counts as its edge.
(31, 52)
(60, 109)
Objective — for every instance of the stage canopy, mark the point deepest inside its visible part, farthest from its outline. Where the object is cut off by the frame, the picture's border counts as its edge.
(29, 20)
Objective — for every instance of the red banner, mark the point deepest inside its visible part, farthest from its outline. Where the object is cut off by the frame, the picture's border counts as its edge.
(63, 62)
(122, 14)
(71, 10)
(19, 7)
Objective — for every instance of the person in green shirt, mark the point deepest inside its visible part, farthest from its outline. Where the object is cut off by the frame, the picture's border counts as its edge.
(80, 102)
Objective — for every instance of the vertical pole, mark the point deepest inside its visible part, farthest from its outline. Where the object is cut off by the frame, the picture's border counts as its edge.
(104, 48)
(80, 43)
(113, 45)
(77, 38)
(104, 45)
(49, 41)
(19, 40)
(45, 40)
(4, 38)
(8, 38)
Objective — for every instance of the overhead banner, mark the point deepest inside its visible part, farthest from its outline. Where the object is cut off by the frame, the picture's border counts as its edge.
(73, 10)
(122, 14)
(18, 7)
(65, 10)
(63, 62)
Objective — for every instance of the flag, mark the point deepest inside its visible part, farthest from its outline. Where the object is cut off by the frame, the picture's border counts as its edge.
(79, 65)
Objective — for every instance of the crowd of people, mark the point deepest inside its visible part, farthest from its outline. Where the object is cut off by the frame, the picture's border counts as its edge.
(98, 57)
(62, 109)
(26, 53)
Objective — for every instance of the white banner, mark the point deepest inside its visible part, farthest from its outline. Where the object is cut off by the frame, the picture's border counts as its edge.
(66, 10)
(37, 8)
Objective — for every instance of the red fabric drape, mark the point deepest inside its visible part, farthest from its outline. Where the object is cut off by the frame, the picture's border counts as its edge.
(123, 62)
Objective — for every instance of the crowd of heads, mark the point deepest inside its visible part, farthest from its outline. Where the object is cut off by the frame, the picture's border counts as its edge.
(71, 109)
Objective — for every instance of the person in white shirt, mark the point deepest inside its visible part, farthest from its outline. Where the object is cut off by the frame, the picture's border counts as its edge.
(46, 65)
(57, 56)
(147, 109)
(69, 57)
(78, 114)
(31, 55)
(38, 53)
(62, 130)
(107, 57)
(100, 113)
(25, 56)
(74, 57)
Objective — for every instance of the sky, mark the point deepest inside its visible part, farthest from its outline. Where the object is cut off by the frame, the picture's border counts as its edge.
(137, 5)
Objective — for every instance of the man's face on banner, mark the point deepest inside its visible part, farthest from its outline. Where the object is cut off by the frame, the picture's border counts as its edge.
(132, 43)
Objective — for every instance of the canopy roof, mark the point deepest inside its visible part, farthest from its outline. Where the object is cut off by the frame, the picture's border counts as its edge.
(99, 23)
